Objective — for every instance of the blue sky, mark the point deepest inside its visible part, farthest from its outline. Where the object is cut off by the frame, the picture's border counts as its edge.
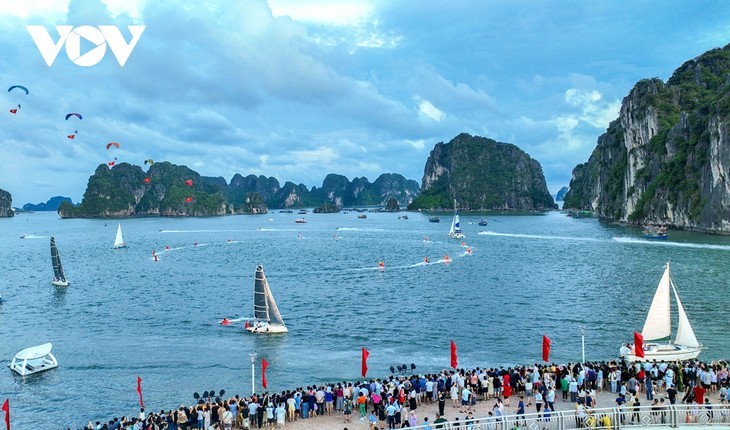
(296, 89)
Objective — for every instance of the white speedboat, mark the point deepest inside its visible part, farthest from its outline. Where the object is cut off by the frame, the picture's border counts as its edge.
(267, 318)
(119, 240)
(34, 360)
(59, 279)
(658, 326)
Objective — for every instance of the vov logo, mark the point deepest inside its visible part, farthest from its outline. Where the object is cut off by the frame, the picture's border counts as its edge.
(71, 36)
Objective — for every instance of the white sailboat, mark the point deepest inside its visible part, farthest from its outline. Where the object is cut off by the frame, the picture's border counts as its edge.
(119, 240)
(59, 279)
(658, 327)
(267, 318)
(455, 230)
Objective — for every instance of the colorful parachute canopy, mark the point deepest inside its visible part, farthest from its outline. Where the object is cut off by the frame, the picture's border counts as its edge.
(19, 87)
(69, 115)
(149, 161)
(13, 110)
(147, 180)
(188, 199)
(71, 136)
(111, 163)
(189, 182)
(110, 144)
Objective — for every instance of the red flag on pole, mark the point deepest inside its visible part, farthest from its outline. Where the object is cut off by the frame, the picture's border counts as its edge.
(638, 344)
(365, 355)
(6, 409)
(454, 357)
(545, 348)
(264, 366)
(139, 391)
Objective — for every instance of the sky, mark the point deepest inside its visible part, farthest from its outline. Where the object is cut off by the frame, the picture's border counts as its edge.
(296, 89)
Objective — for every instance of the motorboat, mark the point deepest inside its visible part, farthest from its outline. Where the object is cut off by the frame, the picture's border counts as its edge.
(34, 360)
(482, 222)
(434, 219)
(300, 221)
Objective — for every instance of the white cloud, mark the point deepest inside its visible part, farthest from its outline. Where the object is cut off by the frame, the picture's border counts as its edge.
(418, 144)
(324, 12)
(428, 109)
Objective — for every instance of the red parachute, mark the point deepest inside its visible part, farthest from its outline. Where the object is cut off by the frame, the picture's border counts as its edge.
(71, 136)
(110, 144)
(189, 182)
(69, 115)
(14, 111)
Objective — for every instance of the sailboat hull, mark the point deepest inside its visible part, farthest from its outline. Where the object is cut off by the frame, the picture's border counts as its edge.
(267, 329)
(60, 283)
(456, 235)
(119, 246)
(667, 352)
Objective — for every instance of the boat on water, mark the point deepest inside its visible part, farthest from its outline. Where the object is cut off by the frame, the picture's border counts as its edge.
(403, 217)
(455, 230)
(658, 327)
(267, 319)
(119, 240)
(362, 216)
(652, 232)
(434, 219)
(34, 360)
(482, 222)
(300, 221)
(59, 279)
(302, 212)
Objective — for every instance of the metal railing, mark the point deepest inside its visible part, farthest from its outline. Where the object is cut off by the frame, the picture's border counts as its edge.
(595, 419)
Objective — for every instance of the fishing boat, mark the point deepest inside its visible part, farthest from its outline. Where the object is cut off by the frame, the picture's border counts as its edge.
(658, 326)
(34, 360)
(362, 216)
(482, 222)
(59, 279)
(119, 240)
(455, 230)
(655, 233)
(434, 219)
(302, 211)
(300, 221)
(267, 318)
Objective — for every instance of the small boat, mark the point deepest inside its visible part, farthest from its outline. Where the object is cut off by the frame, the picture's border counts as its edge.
(658, 326)
(267, 319)
(300, 221)
(302, 211)
(119, 240)
(59, 279)
(434, 219)
(362, 216)
(482, 222)
(34, 360)
(655, 233)
(403, 217)
(455, 230)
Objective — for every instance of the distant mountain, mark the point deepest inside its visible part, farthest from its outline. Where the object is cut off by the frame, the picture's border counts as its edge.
(6, 204)
(561, 194)
(665, 159)
(482, 174)
(170, 190)
(51, 205)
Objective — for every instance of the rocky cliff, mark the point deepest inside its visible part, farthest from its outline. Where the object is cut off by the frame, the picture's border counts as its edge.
(482, 174)
(666, 159)
(561, 194)
(170, 190)
(51, 205)
(6, 204)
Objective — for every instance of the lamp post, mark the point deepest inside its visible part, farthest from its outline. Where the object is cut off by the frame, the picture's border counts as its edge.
(583, 342)
(253, 379)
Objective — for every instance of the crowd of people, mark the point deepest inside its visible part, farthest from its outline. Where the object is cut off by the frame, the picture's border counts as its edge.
(394, 402)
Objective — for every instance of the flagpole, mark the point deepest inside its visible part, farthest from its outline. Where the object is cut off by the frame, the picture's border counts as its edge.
(583, 342)
(253, 380)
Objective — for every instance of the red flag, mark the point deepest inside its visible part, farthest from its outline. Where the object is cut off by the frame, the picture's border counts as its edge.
(365, 355)
(188, 199)
(6, 409)
(139, 391)
(545, 348)
(189, 182)
(264, 366)
(638, 344)
(147, 180)
(454, 357)
(13, 110)
(71, 136)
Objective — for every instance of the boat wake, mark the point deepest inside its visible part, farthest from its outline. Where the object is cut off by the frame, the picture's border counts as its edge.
(276, 229)
(630, 240)
(199, 231)
(358, 229)
(32, 236)
(538, 236)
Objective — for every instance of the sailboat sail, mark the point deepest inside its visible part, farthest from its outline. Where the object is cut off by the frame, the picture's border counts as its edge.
(658, 324)
(274, 315)
(685, 334)
(56, 260)
(119, 240)
(260, 306)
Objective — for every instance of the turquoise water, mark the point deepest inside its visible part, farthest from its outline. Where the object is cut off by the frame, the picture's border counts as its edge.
(125, 315)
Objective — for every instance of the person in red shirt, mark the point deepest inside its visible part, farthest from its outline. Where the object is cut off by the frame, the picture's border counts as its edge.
(699, 394)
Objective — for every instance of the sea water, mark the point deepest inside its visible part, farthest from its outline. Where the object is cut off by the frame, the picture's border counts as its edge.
(125, 315)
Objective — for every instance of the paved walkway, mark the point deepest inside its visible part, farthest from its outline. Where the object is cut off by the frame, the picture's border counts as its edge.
(604, 400)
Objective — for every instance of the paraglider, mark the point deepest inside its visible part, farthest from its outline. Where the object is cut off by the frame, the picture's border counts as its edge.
(112, 163)
(19, 87)
(69, 115)
(149, 161)
(110, 144)
(72, 136)
(189, 182)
